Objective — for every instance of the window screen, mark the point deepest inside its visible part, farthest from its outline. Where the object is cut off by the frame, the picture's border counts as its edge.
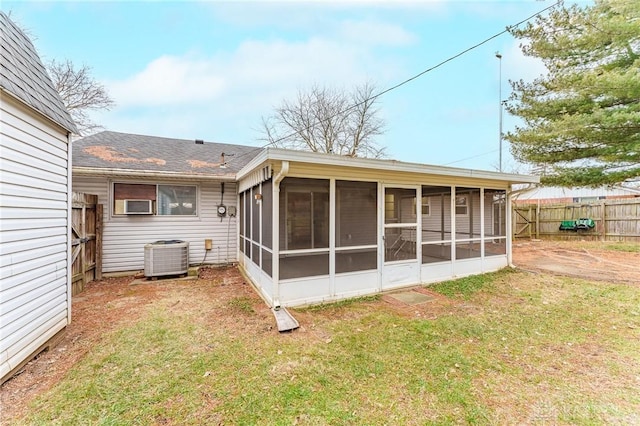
(255, 214)
(436, 226)
(400, 205)
(304, 214)
(267, 214)
(468, 223)
(356, 215)
(242, 195)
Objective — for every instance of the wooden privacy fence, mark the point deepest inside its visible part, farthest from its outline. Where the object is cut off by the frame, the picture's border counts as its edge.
(615, 220)
(86, 241)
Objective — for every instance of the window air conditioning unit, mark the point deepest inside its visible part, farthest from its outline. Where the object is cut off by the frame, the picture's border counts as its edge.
(138, 207)
(167, 257)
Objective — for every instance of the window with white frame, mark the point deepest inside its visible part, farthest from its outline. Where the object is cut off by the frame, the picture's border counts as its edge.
(176, 200)
(165, 200)
(426, 206)
(462, 205)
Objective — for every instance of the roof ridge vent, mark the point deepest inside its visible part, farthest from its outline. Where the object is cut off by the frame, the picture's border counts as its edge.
(199, 142)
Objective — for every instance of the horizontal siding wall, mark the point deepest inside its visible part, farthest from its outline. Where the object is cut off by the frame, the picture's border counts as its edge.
(124, 237)
(34, 235)
(432, 222)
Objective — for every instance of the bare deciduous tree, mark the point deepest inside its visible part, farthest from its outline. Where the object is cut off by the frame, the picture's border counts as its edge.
(80, 93)
(328, 120)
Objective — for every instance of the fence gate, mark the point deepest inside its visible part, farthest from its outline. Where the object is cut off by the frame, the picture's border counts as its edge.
(86, 241)
(524, 221)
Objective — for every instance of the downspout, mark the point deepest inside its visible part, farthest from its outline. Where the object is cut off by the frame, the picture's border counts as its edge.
(509, 209)
(275, 259)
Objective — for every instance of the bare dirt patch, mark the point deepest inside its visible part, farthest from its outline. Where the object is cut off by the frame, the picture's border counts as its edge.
(104, 306)
(590, 261)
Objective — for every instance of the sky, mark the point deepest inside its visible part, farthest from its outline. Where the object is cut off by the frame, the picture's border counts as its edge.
(211, 70)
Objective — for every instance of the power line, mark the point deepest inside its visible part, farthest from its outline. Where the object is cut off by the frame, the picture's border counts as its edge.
(471, 158)
(408, 80)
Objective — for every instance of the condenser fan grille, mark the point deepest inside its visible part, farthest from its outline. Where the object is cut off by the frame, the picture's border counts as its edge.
(166, 258)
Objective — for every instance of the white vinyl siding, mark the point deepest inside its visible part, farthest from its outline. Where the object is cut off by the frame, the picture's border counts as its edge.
(34, 254)
(124, 237)
(433, 221)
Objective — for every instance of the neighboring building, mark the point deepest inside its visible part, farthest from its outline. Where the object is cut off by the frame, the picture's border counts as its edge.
(35, 204)
(558, 195)
(183, 182)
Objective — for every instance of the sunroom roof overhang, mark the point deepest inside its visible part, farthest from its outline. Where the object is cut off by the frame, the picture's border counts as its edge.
(270, 156)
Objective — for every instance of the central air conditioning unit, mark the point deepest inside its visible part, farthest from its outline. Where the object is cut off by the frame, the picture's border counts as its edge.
(166, 257)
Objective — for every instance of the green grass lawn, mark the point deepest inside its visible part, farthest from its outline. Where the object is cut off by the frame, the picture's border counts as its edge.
(507, 348)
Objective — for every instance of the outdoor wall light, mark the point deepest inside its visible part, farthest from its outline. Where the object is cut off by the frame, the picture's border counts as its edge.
(258, 197)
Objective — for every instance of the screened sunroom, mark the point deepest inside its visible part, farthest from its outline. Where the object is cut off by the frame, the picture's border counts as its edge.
(316, 228)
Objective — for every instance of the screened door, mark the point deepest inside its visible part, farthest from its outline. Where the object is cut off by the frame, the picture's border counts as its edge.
(401, 266)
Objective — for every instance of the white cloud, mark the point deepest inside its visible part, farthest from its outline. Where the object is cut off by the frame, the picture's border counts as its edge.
(517, 66)
(169, 80)
(261, 72)
(204, 93)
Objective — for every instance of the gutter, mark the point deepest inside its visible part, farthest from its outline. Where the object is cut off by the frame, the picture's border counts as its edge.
(275, 264)
(89, 171)
(282, 173)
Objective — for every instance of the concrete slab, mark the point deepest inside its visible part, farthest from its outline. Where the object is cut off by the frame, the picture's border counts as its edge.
(411, 297)
(152, 280)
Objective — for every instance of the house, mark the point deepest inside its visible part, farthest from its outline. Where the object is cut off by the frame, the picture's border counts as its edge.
(35, 204)
(557, 195)
(305, 227)
(187, 190)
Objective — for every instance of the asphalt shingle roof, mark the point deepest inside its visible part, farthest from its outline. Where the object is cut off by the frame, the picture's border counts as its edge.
(23, 75)
(125, 151)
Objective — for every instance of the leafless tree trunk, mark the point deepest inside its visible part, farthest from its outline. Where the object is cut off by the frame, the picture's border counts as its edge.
(327, 120)
(80, 93)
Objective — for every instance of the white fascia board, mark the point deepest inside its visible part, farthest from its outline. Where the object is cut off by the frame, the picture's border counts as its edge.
(255, 163)
(89, 171)
(376, 164)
